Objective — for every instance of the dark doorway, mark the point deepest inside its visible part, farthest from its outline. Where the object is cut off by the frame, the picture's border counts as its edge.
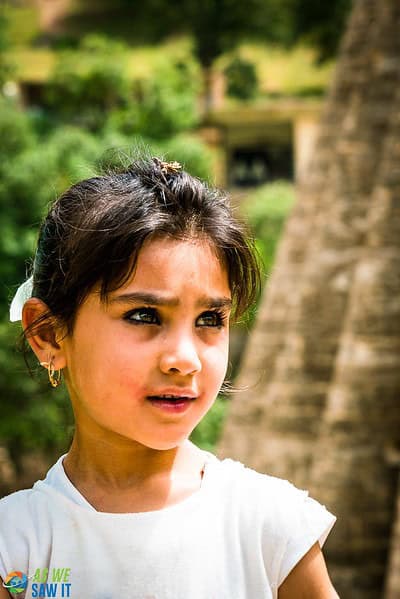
(252, 166)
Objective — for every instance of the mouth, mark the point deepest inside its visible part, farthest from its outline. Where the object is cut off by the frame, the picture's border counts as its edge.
(170, 398)
(171, 403)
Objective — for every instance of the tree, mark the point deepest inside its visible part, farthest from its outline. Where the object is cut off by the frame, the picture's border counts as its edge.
(218, 26)
(322, 365)
(320, 24)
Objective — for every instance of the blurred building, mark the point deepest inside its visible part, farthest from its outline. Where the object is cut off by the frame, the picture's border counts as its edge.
(263, 142)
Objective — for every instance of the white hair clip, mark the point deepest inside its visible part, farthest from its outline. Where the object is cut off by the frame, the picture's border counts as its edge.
(24, 292)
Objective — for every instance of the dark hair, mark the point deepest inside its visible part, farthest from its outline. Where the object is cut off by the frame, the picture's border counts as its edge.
(93, 233)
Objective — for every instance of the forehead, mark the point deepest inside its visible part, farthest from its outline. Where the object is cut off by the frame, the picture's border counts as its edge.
(165, 263)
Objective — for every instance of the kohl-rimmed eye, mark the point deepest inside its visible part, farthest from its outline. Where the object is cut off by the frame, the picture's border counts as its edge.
(142, 316)
(211, 318)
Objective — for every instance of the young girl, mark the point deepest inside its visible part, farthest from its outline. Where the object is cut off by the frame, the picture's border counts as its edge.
(136, 277)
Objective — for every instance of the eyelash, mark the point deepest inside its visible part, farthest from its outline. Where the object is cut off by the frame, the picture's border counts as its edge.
(152, 314)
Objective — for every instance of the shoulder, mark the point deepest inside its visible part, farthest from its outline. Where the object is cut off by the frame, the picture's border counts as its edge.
(24, 506)
(257, 487)
(264, 502)
(262, 488)
(27, 519)
(286, 519)
(274, 496)
(29, 508)
(16, 517)
(17, 502)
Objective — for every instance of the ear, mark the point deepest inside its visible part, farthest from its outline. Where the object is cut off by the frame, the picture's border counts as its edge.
(42, 334)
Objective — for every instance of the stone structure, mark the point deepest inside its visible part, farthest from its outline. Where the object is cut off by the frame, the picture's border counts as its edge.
(322, 368)
(392, 590)
(276, 133)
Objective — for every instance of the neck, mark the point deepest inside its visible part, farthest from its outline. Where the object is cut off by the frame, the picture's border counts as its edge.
(120, 463)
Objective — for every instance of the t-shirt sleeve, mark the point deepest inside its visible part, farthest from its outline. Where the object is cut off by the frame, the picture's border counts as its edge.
(14, 523)
(300, 523)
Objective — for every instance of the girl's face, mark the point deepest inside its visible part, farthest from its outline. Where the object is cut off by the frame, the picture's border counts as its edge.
(147, 365)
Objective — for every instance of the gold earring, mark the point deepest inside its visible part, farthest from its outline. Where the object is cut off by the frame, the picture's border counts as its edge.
(54, 375)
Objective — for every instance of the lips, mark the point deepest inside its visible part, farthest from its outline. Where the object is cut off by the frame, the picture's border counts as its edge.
(169, 398)
(172, 395)
(171, 404)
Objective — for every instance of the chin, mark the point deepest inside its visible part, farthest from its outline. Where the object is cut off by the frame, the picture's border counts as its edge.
(166, 444)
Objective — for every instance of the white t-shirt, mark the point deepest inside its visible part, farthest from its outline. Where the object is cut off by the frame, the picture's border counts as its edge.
(237, 537)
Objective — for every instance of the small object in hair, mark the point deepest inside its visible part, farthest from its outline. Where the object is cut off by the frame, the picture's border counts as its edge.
(168, 168)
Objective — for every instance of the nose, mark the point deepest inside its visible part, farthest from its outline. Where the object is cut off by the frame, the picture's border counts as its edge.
(180, 355)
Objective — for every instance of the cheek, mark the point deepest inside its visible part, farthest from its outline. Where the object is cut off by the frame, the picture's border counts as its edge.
(216, 361)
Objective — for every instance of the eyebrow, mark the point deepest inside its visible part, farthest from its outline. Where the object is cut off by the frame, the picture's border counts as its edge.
(142, 297)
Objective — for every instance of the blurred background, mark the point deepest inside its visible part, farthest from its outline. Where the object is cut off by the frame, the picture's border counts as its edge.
(293, 106)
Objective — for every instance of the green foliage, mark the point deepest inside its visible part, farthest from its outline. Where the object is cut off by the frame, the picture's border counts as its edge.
(6, 66)
(241, 78)
(16, 241)
(30, 416)
(208, 431)
(33, 416)
(29, 183)
(319, 23)
(16, 133)
(167, 105)
(218, 26)
(90, 87)
(89, 82)
(161, 106)
(74, 152)
(266, 210)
